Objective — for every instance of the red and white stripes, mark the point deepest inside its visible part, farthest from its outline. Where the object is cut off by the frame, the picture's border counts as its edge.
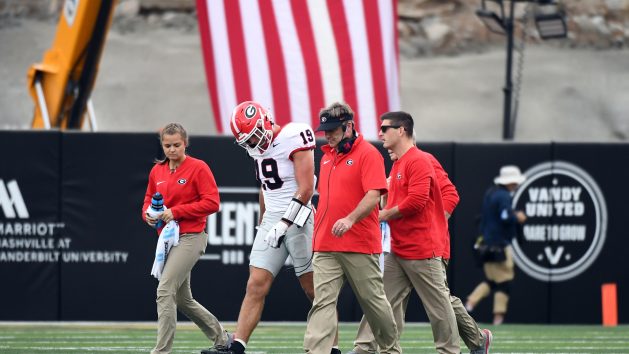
(298, 56)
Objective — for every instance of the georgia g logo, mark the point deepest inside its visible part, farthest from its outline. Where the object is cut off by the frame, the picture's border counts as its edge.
(250, 112)
(566, 221)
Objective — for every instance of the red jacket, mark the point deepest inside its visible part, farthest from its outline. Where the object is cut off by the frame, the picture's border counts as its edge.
(191, 193)
(449, 194)
(344, 179)
(422, 231)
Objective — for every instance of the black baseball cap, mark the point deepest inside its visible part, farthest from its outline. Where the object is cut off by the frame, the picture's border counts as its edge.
(327, 122)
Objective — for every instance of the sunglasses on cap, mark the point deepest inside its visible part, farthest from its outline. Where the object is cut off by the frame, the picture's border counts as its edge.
(384, 128)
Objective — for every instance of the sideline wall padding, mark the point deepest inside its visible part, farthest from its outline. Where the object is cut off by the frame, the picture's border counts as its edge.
(578, 300)
(30, 182)
(476, 166)
(105, 271)
(73, 245)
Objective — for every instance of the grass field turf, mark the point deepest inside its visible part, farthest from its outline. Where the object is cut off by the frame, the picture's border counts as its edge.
(275, 338)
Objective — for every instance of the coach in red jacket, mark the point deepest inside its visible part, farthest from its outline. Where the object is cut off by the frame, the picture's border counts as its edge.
(346, 239)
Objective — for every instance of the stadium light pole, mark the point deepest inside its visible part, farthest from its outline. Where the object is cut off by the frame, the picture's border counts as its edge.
(503, 24)
(550, 25)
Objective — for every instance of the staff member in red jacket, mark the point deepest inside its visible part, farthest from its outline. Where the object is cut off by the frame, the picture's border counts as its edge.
(472, 335)
(346, 239)
(419, 236)
(477, 340)
(419, 232)
(191, 194)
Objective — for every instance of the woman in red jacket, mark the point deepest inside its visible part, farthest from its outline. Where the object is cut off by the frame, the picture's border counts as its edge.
(190, 194)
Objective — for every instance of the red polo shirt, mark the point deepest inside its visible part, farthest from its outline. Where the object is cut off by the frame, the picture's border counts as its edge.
(422, 231)
(191, 193)
(344, 179)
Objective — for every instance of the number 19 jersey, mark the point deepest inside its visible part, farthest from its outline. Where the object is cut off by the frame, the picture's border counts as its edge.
(275, 170)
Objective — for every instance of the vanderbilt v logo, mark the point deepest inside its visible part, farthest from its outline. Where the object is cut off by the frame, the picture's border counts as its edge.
(11, 200)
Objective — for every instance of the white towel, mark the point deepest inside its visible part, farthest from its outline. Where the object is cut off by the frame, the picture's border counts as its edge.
(168, 238)
(385, 230)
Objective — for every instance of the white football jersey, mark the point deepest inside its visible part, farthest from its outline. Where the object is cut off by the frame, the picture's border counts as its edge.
(275, 169)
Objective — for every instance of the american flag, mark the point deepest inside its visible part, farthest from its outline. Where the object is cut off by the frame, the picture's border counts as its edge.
(298, 56)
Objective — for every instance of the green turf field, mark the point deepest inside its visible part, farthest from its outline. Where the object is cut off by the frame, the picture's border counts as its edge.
(287, 338)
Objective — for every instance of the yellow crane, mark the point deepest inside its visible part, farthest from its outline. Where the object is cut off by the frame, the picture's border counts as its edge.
(62, 83)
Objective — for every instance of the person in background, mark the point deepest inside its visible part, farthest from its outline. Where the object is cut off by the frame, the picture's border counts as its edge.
(498, 227)
(190, 193)
(347, 239)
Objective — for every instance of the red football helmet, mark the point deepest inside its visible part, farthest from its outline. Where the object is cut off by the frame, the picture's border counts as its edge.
(252, 126)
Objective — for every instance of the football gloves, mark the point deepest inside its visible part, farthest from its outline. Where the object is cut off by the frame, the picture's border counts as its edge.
(297, 214)
(275, 236)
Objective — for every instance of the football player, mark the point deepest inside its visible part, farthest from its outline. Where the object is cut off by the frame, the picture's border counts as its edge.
(284, 167)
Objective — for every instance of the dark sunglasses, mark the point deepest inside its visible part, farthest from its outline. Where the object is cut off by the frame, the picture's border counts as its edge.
(384, 128)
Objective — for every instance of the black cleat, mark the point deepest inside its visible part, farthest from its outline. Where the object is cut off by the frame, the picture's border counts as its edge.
(234, 348)
(218, 349)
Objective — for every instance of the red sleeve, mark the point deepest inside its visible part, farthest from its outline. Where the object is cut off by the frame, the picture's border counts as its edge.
(420, 178)
(208, 202)
(150, 190)
(449, 194)
(373, 176)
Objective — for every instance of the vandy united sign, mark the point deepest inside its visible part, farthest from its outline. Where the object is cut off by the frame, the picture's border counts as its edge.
(567, 221)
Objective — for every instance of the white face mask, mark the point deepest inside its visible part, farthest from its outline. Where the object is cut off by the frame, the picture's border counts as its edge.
(264, 138)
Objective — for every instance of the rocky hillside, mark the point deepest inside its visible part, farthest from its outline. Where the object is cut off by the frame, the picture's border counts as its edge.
(426, 27)
(452, 27)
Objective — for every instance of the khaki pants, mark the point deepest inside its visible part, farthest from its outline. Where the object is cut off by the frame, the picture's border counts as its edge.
(173, 292)
(428, 278)
(331, 269)
(468, 328)
(497, 272)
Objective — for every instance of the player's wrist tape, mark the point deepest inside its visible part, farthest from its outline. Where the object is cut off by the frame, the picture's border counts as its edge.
(297, 213)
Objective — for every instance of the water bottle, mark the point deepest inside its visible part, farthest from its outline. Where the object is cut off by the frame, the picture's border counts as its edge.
(157, 206)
